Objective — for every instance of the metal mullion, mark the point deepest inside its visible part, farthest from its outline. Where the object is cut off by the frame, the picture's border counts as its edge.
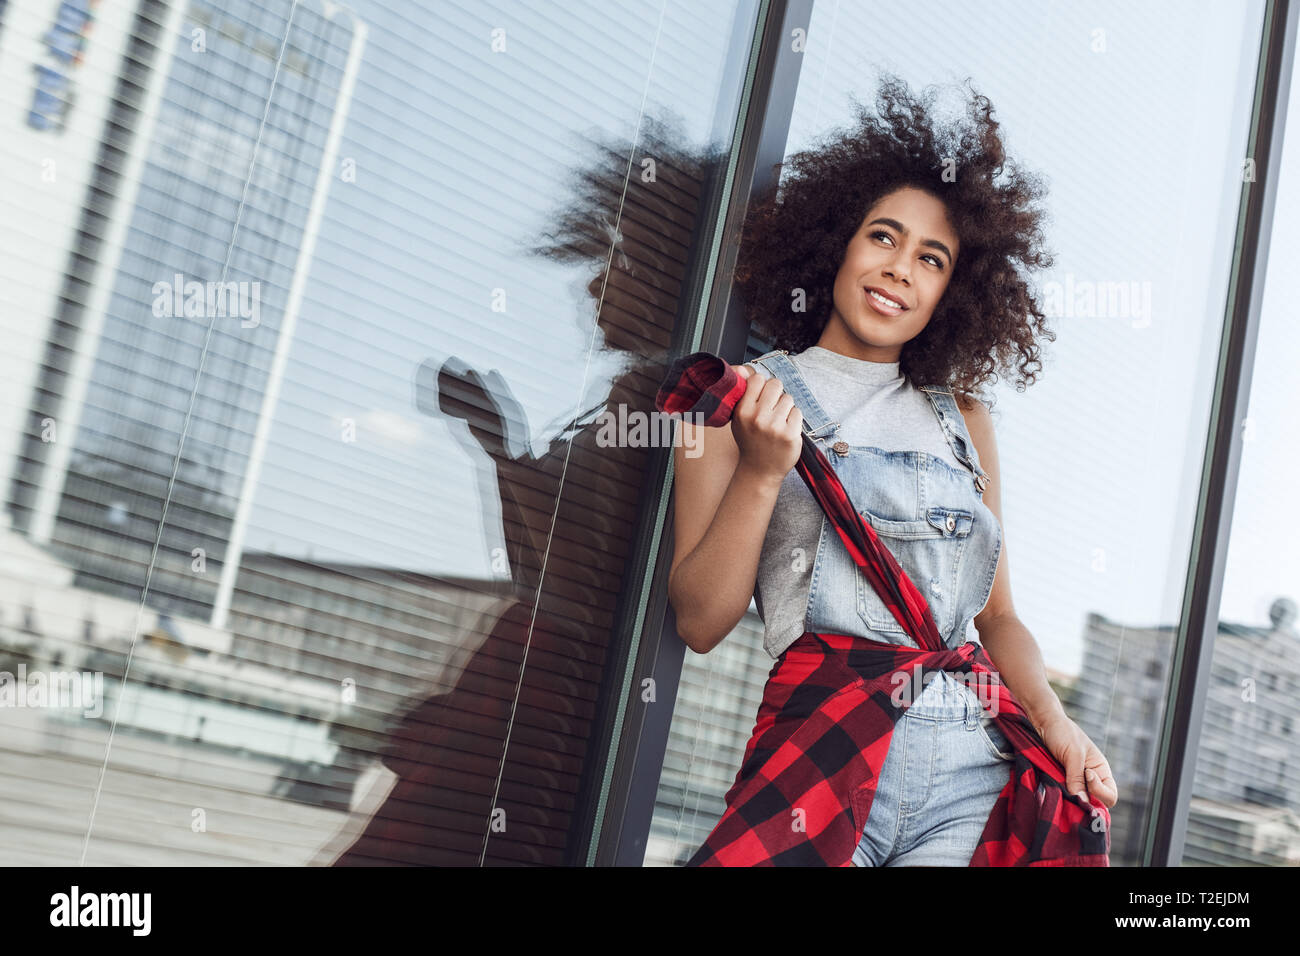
(625, 810)
(1198, 623)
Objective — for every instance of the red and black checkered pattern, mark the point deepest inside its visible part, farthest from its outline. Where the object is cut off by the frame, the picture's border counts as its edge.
(809, 773)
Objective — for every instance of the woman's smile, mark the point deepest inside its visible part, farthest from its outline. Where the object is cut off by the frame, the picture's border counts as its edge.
(882, 303)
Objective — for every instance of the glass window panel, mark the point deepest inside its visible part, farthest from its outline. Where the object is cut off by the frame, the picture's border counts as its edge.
(1101, 459)
(352, 519)
(1246, 792)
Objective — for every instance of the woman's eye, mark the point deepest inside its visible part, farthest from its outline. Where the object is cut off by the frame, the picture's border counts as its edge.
(884, 235)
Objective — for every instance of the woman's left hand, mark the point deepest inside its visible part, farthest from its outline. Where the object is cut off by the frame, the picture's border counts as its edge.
(1082, 760)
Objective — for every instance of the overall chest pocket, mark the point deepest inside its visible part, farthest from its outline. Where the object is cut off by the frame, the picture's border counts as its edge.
(930, 551)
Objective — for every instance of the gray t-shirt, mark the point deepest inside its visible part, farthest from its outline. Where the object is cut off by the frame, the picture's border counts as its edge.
(875, 406)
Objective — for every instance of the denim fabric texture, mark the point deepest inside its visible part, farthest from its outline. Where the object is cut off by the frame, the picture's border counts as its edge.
(947, 761)
(929, 514)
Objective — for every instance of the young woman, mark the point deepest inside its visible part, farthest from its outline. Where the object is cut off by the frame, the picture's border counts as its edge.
(885, 272)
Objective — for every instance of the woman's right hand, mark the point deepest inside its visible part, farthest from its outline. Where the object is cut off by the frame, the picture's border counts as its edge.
(766, 425)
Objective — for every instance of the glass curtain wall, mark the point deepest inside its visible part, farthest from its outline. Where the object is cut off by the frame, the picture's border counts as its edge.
(333, 325)
(1101, 457)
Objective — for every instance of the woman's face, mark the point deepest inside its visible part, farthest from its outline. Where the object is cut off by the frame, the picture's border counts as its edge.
(905, 249)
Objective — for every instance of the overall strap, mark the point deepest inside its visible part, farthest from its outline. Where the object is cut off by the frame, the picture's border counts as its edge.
(954, 430)
(705, 384)
(817, 425)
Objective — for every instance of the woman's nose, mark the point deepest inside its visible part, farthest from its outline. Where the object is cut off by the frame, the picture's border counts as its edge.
(898, 273)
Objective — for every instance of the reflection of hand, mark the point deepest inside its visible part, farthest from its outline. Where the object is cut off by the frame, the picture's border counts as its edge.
(1081, 760)
(483, 402)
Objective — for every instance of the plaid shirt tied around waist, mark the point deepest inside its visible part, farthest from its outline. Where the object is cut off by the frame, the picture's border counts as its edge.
(808, 776)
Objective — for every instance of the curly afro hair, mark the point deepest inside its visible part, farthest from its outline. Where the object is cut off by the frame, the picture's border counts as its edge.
(796, 235)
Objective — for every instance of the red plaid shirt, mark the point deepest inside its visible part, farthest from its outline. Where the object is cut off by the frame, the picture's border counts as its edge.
(809, 772)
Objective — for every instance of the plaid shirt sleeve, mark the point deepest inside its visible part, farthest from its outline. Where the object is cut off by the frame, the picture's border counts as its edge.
(807, 779)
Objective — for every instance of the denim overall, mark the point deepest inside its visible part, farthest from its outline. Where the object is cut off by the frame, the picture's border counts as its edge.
(947, 761)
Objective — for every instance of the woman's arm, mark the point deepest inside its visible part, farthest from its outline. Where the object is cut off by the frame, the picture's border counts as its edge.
(1008, 642)
(723, 504)
(1015, 653)
(720, 520)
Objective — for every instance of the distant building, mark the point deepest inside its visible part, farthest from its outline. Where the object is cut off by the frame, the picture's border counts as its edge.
(1248, 741)
(179, 298)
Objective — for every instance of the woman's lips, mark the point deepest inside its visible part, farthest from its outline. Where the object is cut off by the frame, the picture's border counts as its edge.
(880, 306)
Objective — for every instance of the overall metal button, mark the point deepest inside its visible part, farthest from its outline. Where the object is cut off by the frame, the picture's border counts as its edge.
(981, 482)
(952, 522)
(841, 448)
